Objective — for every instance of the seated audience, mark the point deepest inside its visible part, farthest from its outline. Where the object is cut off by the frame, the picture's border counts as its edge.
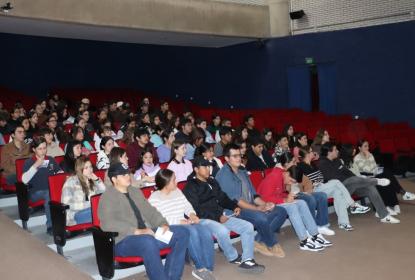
(36, 171)
(147, 170)
(265, 216)
(272, 189)
(258, 158)
(333, 168)
(220, 214)
(73, 151)
(106, 145)
(124, 210)
(164, 150)
(182, 167)
(177, 210)
(78, 189)
(333, 188)
(225, 138)
(141, 143)
(12, 151)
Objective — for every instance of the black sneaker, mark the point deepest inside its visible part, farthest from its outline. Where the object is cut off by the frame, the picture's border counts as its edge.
(238, 260)
(250, 266)
(310, 245)
(320, 240)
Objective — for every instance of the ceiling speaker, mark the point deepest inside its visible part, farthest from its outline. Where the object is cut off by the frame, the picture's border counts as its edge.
(297, 14)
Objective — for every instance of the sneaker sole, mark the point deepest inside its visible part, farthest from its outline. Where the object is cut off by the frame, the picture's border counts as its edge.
(311, 250)
(251, 270)
(360, 212)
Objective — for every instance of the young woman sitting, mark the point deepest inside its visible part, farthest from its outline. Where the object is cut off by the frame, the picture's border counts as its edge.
(272, 189)
(106, 145)
(177, 210)
(181, 166)
(147, 170)
(78, 189)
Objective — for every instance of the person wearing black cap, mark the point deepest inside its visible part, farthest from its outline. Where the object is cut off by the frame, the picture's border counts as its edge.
(218, 213)
(123, 209)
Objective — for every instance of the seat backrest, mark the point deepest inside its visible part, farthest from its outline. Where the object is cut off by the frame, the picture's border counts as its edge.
(55, 186)
(59, 159)
(93, 158)
(256, 178)
(147, 191)
(101, 173)
(222, 159)
(181, 184)
(163, 165)
(19, 168)
(94, 209)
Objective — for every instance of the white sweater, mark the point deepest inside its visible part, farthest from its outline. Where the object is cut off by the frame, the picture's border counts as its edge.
(173, 206)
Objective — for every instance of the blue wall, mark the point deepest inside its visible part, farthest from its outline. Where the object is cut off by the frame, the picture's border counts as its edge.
(375, 75)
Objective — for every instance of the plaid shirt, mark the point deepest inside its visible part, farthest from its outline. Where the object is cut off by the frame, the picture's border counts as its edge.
(74, 196)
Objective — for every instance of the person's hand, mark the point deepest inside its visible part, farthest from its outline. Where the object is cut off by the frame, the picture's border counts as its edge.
(147, 231)
(184, 222)
(165, 228)
(237, 211)
(269, 206)
(194, 219)
(261, 208)
(38, 162)
(93, 177)
(223, 219)
(290, 198)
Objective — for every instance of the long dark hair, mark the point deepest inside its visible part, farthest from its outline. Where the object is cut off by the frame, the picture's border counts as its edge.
(115, 154)
(163, 177)
(140, 161)
(346, 154)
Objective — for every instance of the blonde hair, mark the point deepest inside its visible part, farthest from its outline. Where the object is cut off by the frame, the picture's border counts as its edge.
(86, 184)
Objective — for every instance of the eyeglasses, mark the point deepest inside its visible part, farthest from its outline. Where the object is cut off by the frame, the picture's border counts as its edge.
(236, 156)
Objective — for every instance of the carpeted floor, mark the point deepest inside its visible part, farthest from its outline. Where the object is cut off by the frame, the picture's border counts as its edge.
(373, 251)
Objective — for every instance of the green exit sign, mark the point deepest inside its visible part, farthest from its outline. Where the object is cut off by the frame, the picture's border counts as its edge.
(309, 60)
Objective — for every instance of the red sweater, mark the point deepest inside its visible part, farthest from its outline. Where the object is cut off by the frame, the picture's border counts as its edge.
(272, 188)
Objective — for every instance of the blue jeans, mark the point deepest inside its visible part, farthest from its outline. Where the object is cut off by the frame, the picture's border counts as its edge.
(317, 201)
(301, 218)
(147, 247)
(266, 223)
(201, 248)
(83, 216)
(42, 194)
(221, 233)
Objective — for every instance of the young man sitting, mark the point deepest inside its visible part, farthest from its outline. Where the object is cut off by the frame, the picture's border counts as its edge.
(265, 216)
(333, 168)
(16, 149)
(124, 209)
(219, 213)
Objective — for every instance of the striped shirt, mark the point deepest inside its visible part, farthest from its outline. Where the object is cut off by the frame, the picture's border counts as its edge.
(173, 206)
(313, 173)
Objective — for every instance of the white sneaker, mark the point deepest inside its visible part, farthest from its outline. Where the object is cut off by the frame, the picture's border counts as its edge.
(408, 196)
(390, 220)
(326, 231)
(391, 211)
(383, 182)
(397, 209)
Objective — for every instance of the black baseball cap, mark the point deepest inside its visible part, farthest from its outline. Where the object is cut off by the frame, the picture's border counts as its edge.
(118, 169)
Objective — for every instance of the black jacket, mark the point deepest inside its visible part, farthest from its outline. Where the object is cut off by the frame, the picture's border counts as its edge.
(207, 198)
(255, 163)
(334, 169)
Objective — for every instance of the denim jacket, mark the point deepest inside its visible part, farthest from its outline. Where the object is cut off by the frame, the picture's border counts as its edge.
(231, 184)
